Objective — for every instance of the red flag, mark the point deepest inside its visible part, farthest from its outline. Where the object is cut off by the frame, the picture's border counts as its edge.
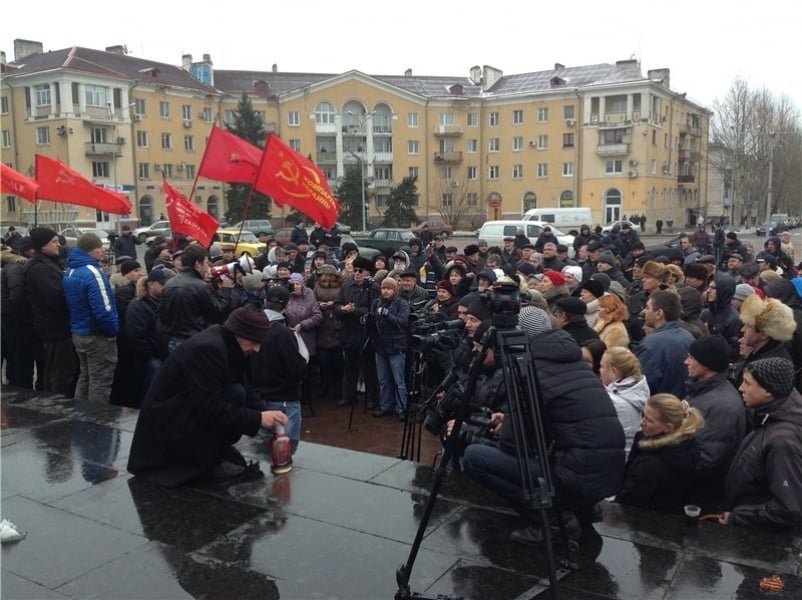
(187, 218)
(59, 183)
(229, 158)
(17, 184)
(290, 178)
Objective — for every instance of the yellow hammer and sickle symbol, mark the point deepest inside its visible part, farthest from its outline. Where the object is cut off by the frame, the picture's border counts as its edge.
(289, 172)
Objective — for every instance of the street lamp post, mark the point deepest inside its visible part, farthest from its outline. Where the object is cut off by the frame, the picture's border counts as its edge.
(771, 176)
(363, 120)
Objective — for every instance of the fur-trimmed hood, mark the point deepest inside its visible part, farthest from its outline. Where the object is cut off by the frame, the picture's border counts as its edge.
(770, 316)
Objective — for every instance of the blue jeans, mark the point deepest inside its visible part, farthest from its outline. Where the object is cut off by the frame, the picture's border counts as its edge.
(390, 370)
(293, 412)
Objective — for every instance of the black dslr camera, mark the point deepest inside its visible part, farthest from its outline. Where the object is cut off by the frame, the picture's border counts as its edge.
(430, 330)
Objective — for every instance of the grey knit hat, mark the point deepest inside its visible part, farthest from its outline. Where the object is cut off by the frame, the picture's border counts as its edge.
(774, 374)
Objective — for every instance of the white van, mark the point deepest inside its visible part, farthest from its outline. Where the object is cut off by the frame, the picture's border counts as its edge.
(569, 219)
(494, 232)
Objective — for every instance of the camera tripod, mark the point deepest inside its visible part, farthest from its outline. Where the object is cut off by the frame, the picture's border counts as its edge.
(529, 437)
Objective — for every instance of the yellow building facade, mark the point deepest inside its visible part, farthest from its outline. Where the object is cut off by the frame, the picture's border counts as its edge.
(486, 146)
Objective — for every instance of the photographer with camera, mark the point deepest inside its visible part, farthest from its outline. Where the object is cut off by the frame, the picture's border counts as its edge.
(351, 307)
(585, 436)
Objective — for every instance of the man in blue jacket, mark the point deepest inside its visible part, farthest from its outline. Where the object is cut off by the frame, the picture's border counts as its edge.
(93, 319)
(389, 315)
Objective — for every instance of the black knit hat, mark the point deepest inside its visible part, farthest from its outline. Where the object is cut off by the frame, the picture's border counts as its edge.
(480, 310)
(712, 351)
(572, 305)
(361, 262)
(697, 271)
(249, 323)
(40, 236)
(774, 374)
(594, 287)
(129, 265)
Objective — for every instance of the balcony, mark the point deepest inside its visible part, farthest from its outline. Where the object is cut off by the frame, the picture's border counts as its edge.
(686, 179)
(683, 154)
(612, 150)
(448, 131)
(103, 149)
(448, 157)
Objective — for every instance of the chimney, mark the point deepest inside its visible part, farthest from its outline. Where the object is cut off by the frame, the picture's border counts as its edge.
(207, 58)
(631, 66)
(3, 58)
(275, 68)
(491, 76)
(408, 73)
(660, 76)
(186, 62)
(118, 49)
(476, 75)
(23, 48)
(559, 66)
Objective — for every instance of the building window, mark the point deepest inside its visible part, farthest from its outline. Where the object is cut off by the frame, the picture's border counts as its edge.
(413, 147)
(493, 145)
(139, 107)
(447, 174)
(613, 136)
(4, 105)
(189, 143)
(6, 138)
(43, 136)
(41, 95)
(96, 95)
(164, 110)
(495, 119)
(568, 140)
(294, 118)
(142, 139)
(614, 166)
(191, 172)
(568, 111)
(186, 112)
(11, 204)
(446, 118)
(473, 146)
(97, 135)
(654, 167)
(414, 172)
(448, 199)
(542, 169)
(473, 119)
(472, 198)
(168, 170)
(542, 115)
(229, 117)
(167, 141)
(517, 117)
(492, 172)
(568, 169)
(530, 201)
(324, 113)
(412, 119)
(542, 141)
(567, 199)
(517, 171)
(517, 143)
(473, 173)
(295, 144)
(206, 115)
(144, 170)
(100, 168)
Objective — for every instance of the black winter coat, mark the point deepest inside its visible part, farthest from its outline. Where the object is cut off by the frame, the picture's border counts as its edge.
(764, 484)
(188, 304)
(186, 426)
(45, 293)
(278, 368)
(352, 334)
(659, 478)
(588, 439)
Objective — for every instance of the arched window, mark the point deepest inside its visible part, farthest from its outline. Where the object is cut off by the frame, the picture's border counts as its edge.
(324, 113)
(612, 205)
(567, 199)
(145, 211)
(213, 207)
(530, 201)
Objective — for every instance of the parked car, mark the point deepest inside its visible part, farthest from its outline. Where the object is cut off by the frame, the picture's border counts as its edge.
(148, 232)
(436, 228)
(21, 229)
(772, 228)
(246, 242)
(72, 234)
(255, 226)
(386, 239)
(608, 228)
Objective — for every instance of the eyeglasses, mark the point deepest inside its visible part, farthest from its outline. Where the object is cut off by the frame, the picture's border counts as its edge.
(360, 271)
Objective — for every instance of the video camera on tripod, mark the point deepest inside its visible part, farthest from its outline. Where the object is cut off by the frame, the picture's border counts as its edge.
(430, 330)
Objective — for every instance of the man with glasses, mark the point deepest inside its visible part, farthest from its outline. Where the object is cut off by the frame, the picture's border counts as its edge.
(352, 307)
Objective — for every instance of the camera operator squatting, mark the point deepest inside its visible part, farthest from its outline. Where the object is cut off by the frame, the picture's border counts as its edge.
(582, 430)
(389, 319)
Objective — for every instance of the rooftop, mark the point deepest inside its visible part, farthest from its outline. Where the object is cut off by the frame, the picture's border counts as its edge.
(338, 526)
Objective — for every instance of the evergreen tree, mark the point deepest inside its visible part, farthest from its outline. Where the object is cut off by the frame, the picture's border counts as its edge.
(349, 194)
(249, 126)
(401, 204)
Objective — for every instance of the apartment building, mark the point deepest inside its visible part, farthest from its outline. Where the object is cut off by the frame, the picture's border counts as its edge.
(483, 146)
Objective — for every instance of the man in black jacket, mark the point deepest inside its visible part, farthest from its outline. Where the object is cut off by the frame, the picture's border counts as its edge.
(44, 292)
(196, 408)
(125, 245)
(189, 304)
(389, 318)
(587, 439)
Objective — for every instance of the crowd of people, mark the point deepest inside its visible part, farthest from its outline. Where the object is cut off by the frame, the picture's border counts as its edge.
(666, 378)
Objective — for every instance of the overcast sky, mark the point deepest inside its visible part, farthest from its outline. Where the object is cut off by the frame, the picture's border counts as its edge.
(707, 44)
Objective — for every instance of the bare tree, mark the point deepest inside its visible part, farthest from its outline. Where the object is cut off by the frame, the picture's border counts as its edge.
(453, 202)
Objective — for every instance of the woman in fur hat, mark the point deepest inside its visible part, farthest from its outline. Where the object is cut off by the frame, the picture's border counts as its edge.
(662, 462)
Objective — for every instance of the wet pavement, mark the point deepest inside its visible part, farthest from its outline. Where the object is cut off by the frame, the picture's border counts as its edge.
(338, 526)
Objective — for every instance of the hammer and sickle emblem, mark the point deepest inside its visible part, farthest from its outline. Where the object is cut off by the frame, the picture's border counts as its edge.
(289, 172)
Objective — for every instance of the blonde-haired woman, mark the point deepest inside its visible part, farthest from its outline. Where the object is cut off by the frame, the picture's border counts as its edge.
(628, 389)
(661, 465)
(612, 323)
